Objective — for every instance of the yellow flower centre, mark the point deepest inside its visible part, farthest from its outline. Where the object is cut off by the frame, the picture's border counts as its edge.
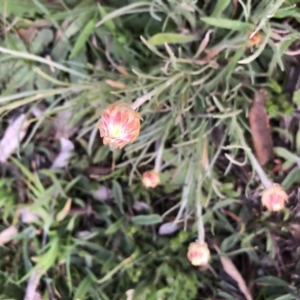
(115, 131)
(276, 206)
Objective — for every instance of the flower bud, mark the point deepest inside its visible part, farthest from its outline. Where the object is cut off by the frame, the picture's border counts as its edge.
(255, 40)
(119, 125)
(198, 254)
(151, 179)
(274, 198)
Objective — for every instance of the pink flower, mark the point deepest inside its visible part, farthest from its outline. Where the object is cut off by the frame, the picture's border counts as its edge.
(198, 254)
(274, 198)
(119, 125)
(151, 179)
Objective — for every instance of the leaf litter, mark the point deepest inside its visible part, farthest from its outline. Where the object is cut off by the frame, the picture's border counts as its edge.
(233, 272)
(13, 136)
(8, 234)
(260, 128)
(93, 174)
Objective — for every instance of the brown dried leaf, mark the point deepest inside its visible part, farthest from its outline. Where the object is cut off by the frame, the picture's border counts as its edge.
(294, 229)
(102, 193)
(210, 54)
(204, 42)
(27, 216)
(32, 285)
(232, 271)
(129, 294)
(261, 132)
(8, 234)
(13, 135)
(37, 296)
(93, 171)
(27, 34)
(122, 70)
(168, 228)
(65, 211)
(235, 7)
(115, 84)
(66, 150)
(205, 158)
(63, 123)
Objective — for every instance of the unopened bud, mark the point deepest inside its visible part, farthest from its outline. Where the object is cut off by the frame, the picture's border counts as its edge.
(119, 125)
(198, 254)
(151, 179)
(256, 39)
(274, 198)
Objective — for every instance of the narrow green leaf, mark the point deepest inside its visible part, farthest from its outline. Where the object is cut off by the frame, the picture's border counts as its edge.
(290, 11)
(286, 154)
(46, 260)
(81, 291)
(109, 24)
(286, 297)
(147, 219)
(233, 62)
(122, 11)
(220, 6)
(298, 141)
(118, 195)
(229, 242)
(32, 57)
(152, 48)
(171, 38)
(83, 37)
(30, 176)
(271, 280)
(228, 24)
(293, 177)
(296, 97)
(113, 228)
(224, 203)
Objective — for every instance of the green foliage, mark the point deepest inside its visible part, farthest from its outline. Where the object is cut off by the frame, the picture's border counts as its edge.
(95, 232)
(277, 105)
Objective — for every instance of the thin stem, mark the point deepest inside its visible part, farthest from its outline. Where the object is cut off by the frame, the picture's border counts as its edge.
(255, 164)
(200, 226)
(185, 192)
(259, 170)
(159, 156)
(141, 100)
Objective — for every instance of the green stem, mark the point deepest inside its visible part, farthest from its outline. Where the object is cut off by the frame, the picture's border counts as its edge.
(255, 164)
(159, 156)
(200, 226)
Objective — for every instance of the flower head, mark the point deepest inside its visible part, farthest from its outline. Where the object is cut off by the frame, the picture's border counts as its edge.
(274, 198)
(198, 254)
(151, 179)
(119, 125)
